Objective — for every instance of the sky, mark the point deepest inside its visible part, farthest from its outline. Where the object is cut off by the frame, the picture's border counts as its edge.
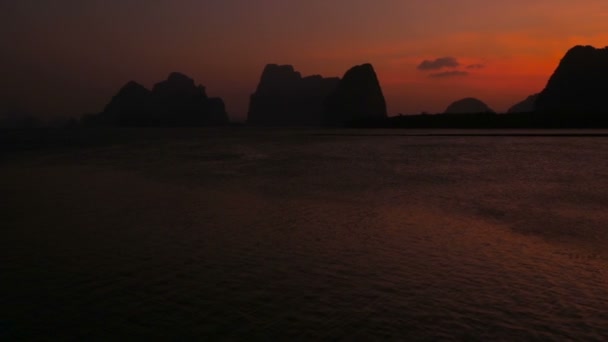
(69, 57)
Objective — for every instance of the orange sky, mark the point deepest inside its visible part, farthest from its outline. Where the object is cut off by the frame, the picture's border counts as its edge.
(69, 57)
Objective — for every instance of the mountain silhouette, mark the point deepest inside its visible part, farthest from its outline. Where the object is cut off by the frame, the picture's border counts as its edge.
(357, 97)
(468, 105)
(177, 101)
(578, 84)
(573, 97)
(133, 105)
(182, 102)
(526, 106)
(284, 98)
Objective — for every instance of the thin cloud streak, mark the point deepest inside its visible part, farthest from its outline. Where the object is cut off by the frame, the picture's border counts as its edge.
(438, 63)
(445, 74)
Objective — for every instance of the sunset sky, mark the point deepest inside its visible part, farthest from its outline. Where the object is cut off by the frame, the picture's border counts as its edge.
(68, 57)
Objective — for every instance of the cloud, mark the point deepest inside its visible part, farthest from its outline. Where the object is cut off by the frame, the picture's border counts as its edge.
(455, 73)
(439, 63)
(475, 66)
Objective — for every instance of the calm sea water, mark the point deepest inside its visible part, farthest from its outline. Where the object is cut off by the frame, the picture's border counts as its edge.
(300, 234)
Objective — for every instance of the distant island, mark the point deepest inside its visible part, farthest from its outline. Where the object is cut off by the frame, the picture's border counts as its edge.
(285, 98)
(574, 97)
(177, 101)
(468, 105)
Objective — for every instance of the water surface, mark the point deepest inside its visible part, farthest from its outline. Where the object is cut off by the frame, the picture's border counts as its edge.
(308, 234)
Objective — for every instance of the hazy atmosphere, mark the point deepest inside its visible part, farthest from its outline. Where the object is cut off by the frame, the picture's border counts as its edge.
(67, 58)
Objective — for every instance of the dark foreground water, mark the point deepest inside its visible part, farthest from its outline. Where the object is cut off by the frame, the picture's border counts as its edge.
(270, 234)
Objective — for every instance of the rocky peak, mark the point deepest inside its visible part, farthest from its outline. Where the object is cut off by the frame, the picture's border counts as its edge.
(285, 98)
(278, 79)
(177, 101)
(578, 83)
(358, 96)
(178, 84)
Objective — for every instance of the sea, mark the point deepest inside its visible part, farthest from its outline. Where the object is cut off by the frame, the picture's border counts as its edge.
(306, 234)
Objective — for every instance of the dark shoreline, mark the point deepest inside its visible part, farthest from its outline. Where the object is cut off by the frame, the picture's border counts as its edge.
(593, 135)
(32, 139)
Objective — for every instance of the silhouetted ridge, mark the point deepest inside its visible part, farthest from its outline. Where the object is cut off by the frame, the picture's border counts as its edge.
(578, 84)
(526, 106)
(278, 79)
(178, 85)
(357, 97)
(468, 105)
(283, 97)
(184, 102)
(133, 105)
(177, 101)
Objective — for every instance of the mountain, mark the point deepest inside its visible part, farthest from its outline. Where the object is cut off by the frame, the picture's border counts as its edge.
(177, 101)
(357, 97)
(468, 105)
(284, 98)
(526, 106)
(578, 85)
(132, 105)
(183, 103)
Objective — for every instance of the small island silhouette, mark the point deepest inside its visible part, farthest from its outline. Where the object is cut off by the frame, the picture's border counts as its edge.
(468, 105)
(176, 101)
